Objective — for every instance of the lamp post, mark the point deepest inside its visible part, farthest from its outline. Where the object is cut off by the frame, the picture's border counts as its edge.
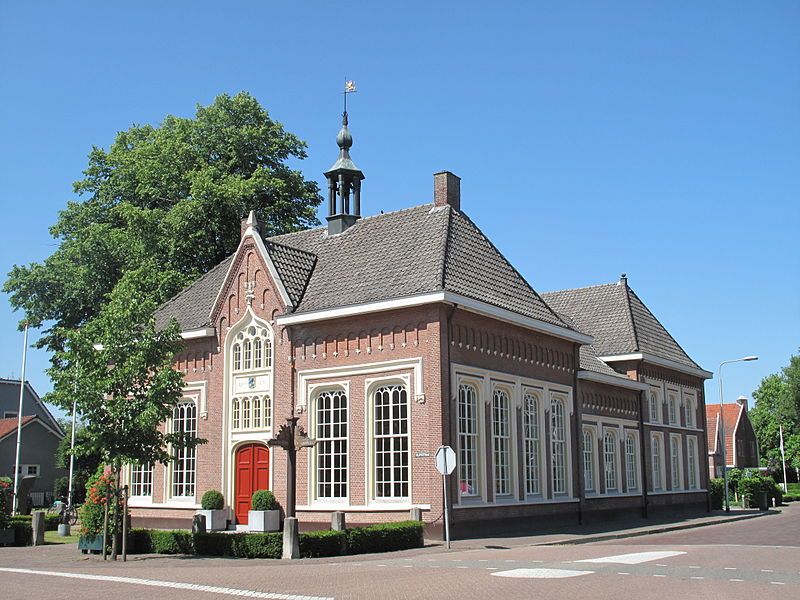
(722, 422)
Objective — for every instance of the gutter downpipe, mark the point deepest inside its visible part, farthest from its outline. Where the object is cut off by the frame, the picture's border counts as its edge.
(642, 443)
(578, 437)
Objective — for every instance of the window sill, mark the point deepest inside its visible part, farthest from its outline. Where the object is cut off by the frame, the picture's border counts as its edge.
(673, 492)
(527, 502)
(144, 503)
(378, 507)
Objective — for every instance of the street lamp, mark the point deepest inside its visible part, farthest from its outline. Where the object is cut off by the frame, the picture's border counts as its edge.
(722, 422)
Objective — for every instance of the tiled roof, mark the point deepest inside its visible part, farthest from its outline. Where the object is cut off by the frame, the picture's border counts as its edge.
(733, 413)
(589, 360)
(382, 257)
(10, 425)
(618, 320)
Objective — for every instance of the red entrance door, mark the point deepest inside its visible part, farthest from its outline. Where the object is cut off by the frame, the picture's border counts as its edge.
(252, 474)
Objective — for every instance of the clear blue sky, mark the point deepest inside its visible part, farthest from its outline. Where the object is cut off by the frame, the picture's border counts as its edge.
(592, 138)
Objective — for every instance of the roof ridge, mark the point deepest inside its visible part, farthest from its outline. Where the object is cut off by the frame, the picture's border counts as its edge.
(514, 269)
(585, 287)
(686, 354)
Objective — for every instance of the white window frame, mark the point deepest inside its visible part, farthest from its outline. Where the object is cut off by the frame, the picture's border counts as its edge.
(505, 438)
(373, 386)
(470, 438)
(23, 470)
(532, 440)
(591, 431)
(631, 462)
(341, 388)
(10, 414)
(562, 400)
(690, 408)
(611, 468)
(693, 464)
(657, 462)
(676, 462)
(673, 409)
(656, 403)
(140, 476)
(191, 456)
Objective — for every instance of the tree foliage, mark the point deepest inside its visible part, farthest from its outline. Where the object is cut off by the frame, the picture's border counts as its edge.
(778, 403)
(169, 200)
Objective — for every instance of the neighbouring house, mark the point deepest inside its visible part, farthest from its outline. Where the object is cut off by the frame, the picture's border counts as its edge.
(741, 446)
(393, 334)
(41, 435)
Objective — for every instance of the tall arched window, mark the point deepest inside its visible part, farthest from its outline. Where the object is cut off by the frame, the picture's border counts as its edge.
(236, 422)
(691, 456)
(558, 446)
(248, 354)
(675, 461)
(501, 440)
(655, 455)
(630, 462)
(246, 413)
(468, 440)
(257, 359)
(588, 461)
(655, 408)
(610, 461)
(391, 442)
(184, 463)
(672, 408)
(331, 449)
(691, 411)
(250, 363)
(252, 349)
(532, 436)
(256, 412)
(237, 357)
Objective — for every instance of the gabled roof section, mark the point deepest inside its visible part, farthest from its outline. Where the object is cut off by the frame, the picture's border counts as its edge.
(619, 321)
(192, 306)
(732, 414)
(45, 413)
(395, 255)
(9, 426)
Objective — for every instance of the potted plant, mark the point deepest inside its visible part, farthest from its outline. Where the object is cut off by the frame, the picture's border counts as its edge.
(213, 505)
(92, 513)
(6, 531)
(266, 513)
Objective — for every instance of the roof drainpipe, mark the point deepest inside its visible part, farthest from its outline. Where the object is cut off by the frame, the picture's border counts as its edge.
(642, 443)
(577, 434)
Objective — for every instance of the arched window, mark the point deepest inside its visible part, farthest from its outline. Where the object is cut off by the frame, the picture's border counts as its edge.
(588, 461)
(267, 411)
(655, 408)
(691, 411)
(673, 409)
(501, 440)
(267, 349)
(691, 456)
(248, 354)
(256, 412)
(675, 461)
(391, 454)
(468, 440)
(532, 436)
(558, 446)
(610, 461)
(184, 463)
(630, 462)
(236, 420)
(237, 357)
(246, 413)
(331, 449)
(655, 455)
(257, 361)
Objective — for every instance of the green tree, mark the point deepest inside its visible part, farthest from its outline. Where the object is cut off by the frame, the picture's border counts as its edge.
(86, 462)
(166, 199)
(778, 403)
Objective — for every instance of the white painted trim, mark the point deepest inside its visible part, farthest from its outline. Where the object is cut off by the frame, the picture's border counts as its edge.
(527, 502)
(733, 434)
(375, 507)
(314, 390)
(202, 332)
(617, 421)
(135, 502)
(662, 362)
(35, 419)
(469, 304)
(197, 390)
(620, 381)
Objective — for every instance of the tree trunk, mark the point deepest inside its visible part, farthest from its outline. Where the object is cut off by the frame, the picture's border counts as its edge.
(116, 528)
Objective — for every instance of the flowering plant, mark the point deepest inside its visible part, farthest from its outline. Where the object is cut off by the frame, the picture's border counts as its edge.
(92, 512)
(5, 501)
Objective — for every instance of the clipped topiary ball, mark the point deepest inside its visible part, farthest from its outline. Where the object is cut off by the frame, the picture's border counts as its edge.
(212, 500)
(264, 500)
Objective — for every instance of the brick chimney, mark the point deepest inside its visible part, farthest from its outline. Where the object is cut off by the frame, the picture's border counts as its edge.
(446, 189)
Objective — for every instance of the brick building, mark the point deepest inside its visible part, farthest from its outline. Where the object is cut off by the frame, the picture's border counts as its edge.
(393, 334)
(741, 445)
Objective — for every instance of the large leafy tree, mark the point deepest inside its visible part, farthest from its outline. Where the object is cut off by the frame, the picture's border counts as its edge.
(778, 403)
(167, 199)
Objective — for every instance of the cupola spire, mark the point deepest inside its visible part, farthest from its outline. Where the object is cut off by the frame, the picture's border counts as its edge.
(344, 180)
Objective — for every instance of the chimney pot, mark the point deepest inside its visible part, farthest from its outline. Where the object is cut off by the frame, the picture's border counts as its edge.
(446, 189)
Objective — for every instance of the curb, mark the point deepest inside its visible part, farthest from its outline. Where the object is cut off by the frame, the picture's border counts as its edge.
(665, 529)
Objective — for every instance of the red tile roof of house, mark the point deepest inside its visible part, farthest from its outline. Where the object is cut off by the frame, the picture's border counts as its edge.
(9, 425)
(732, 415)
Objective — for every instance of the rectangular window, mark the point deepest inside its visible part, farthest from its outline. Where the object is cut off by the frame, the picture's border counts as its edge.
(391, 442)
(532, 437)
(630, 462)
(142, 480)
(331, 448)
(501, 439)
(9, 415)
(675, 461)
(558, 446)
(184, 465)
(468, 440)
(28, 470)
(588, 461)
(655, 455)
(610, 461)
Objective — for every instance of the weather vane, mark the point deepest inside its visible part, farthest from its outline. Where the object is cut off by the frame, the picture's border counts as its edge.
(349, 88)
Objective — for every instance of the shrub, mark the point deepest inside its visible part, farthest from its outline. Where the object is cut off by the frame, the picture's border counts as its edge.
(5, 501)
(385, 537)
(322, 543)
(154, 541)
(61, 487)
(256, 545)
(23, 533)
(51, 522)
(264, 500)
(213, 544)
(717, 490)
(212, 500)
(92, 511)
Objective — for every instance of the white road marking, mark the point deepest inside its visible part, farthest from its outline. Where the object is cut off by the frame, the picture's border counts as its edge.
(695, 567)
(767, 571)
(541, 573)
(623, 573)
(177, 585)
(483, 560)
(407, 566)
(730, 568)
(736, 580)
(696, 577)
(491, 568)
(778, 582)
(463, 567)
(659, 575)
(660, 565)
(633, 559)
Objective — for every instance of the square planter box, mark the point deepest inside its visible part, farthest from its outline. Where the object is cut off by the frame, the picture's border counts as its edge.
(262, 521)
(216, 520)
(6, 537)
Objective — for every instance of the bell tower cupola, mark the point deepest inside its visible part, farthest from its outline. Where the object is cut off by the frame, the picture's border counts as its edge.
(344, 185)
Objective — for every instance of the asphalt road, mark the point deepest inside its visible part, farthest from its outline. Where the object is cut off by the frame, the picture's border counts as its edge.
(754, 558)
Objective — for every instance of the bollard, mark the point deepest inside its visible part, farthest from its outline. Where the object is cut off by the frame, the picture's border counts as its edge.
(38, 527)
(291, 538)
(198, 524)
(338, 521)
(416, 514)
(63, 530)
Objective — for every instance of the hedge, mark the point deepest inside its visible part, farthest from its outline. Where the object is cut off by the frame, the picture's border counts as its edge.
(717, 490)
(375, 538)
(51, 522)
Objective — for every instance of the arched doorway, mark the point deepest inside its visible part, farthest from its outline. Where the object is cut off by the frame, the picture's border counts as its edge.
(252, 474)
